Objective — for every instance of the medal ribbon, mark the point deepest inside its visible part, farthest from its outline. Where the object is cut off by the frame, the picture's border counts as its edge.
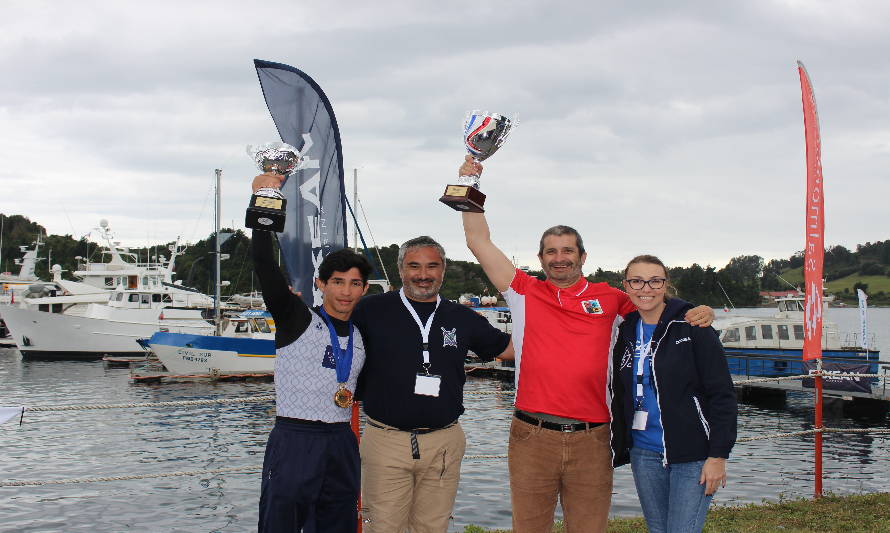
(424, 328)
(343, 358)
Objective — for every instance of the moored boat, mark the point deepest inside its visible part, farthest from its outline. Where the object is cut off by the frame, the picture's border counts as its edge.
(247, 345)
(772, 346)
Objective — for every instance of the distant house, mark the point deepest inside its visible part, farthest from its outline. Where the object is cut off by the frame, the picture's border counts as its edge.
(769, 297)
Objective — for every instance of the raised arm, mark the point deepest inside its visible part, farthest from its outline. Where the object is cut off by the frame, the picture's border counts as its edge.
(497, 267)
(291, 314)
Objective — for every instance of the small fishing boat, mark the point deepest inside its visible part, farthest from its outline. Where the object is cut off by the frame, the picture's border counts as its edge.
(247, 345)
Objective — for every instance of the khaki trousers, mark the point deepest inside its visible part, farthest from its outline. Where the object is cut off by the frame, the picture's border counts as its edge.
(402, 493)
(546, 464)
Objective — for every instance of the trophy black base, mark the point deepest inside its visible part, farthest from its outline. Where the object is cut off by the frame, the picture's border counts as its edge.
(463, 198)
(266, 214)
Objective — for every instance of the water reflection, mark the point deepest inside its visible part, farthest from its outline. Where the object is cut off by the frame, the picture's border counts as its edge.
(143, 441)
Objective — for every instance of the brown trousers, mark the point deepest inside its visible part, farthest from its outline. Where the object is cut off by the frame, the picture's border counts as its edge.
(402, 493)
(546, 464)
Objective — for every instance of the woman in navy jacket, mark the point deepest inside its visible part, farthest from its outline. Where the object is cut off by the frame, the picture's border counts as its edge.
(673, 403)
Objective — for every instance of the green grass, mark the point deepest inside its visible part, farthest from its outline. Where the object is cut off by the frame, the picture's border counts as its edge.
(875, 283)
(860, 513)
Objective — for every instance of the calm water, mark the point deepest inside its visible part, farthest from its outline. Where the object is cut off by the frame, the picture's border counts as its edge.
(141, 441)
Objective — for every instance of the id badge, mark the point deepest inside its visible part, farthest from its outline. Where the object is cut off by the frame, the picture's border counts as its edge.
(640, 418)
(427, 385)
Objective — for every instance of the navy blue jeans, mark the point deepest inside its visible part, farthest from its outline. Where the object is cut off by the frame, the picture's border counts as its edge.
(311, 479)
(671, 497)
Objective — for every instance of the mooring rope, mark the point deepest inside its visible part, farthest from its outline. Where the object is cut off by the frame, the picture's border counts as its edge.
(271, 397)
(178, 403)
(231, 470)
(812, 432)
(480, 457)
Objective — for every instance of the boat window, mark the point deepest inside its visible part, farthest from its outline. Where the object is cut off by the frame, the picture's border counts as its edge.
(109, 282)
(783, 332)
(750, 333)
(798, 332)
(156, 298)
(766, 331)
(263, 326)
(131, 282)
(145, 281)
(120, 297)
(146, 298)
(731, 335)
(134, 298)
(167, 299)
(241, 327)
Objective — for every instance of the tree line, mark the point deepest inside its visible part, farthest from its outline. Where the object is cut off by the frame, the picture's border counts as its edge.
(738, 283)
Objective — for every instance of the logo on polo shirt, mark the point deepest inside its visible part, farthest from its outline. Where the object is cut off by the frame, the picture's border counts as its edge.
(592, 307)
(449, 338)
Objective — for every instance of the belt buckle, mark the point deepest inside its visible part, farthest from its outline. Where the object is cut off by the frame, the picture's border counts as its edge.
(568, 428)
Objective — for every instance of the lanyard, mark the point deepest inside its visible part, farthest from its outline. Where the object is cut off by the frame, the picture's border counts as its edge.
(424, 328)
(644, 351)
(343, 358)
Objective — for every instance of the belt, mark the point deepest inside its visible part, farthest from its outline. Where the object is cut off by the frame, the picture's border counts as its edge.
(415, 446)
(565, 428)
(416, 431)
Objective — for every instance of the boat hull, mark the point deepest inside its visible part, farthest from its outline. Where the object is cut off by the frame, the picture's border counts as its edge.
(205, 354)
(43, 335)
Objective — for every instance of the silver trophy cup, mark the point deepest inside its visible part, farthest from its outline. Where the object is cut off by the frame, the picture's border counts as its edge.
(267, 205)
(484, 133)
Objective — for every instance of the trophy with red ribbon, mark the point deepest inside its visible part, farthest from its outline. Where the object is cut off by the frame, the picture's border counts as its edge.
(484, 133)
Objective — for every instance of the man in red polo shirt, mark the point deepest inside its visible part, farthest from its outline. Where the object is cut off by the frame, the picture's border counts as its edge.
(563, 330)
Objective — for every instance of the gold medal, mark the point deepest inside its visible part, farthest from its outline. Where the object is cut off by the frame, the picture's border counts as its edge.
(343, 397)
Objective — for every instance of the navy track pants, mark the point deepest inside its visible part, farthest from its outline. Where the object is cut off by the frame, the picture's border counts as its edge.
(311, 479)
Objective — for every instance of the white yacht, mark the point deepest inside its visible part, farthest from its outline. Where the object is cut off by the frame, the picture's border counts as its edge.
(113, 304)
(12, 286)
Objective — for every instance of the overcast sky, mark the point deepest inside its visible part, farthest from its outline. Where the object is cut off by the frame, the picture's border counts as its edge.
(672, 128)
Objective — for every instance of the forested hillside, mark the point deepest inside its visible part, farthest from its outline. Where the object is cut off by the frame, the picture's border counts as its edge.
(739, 281)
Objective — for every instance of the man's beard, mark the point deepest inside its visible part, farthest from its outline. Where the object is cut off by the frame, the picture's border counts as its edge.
(421, 293)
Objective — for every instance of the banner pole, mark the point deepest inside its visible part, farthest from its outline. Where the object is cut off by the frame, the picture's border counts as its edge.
(818, 441)
(814, 255)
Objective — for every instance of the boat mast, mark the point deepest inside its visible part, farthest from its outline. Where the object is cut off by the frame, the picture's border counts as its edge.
(216, 223)
(355, 203)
